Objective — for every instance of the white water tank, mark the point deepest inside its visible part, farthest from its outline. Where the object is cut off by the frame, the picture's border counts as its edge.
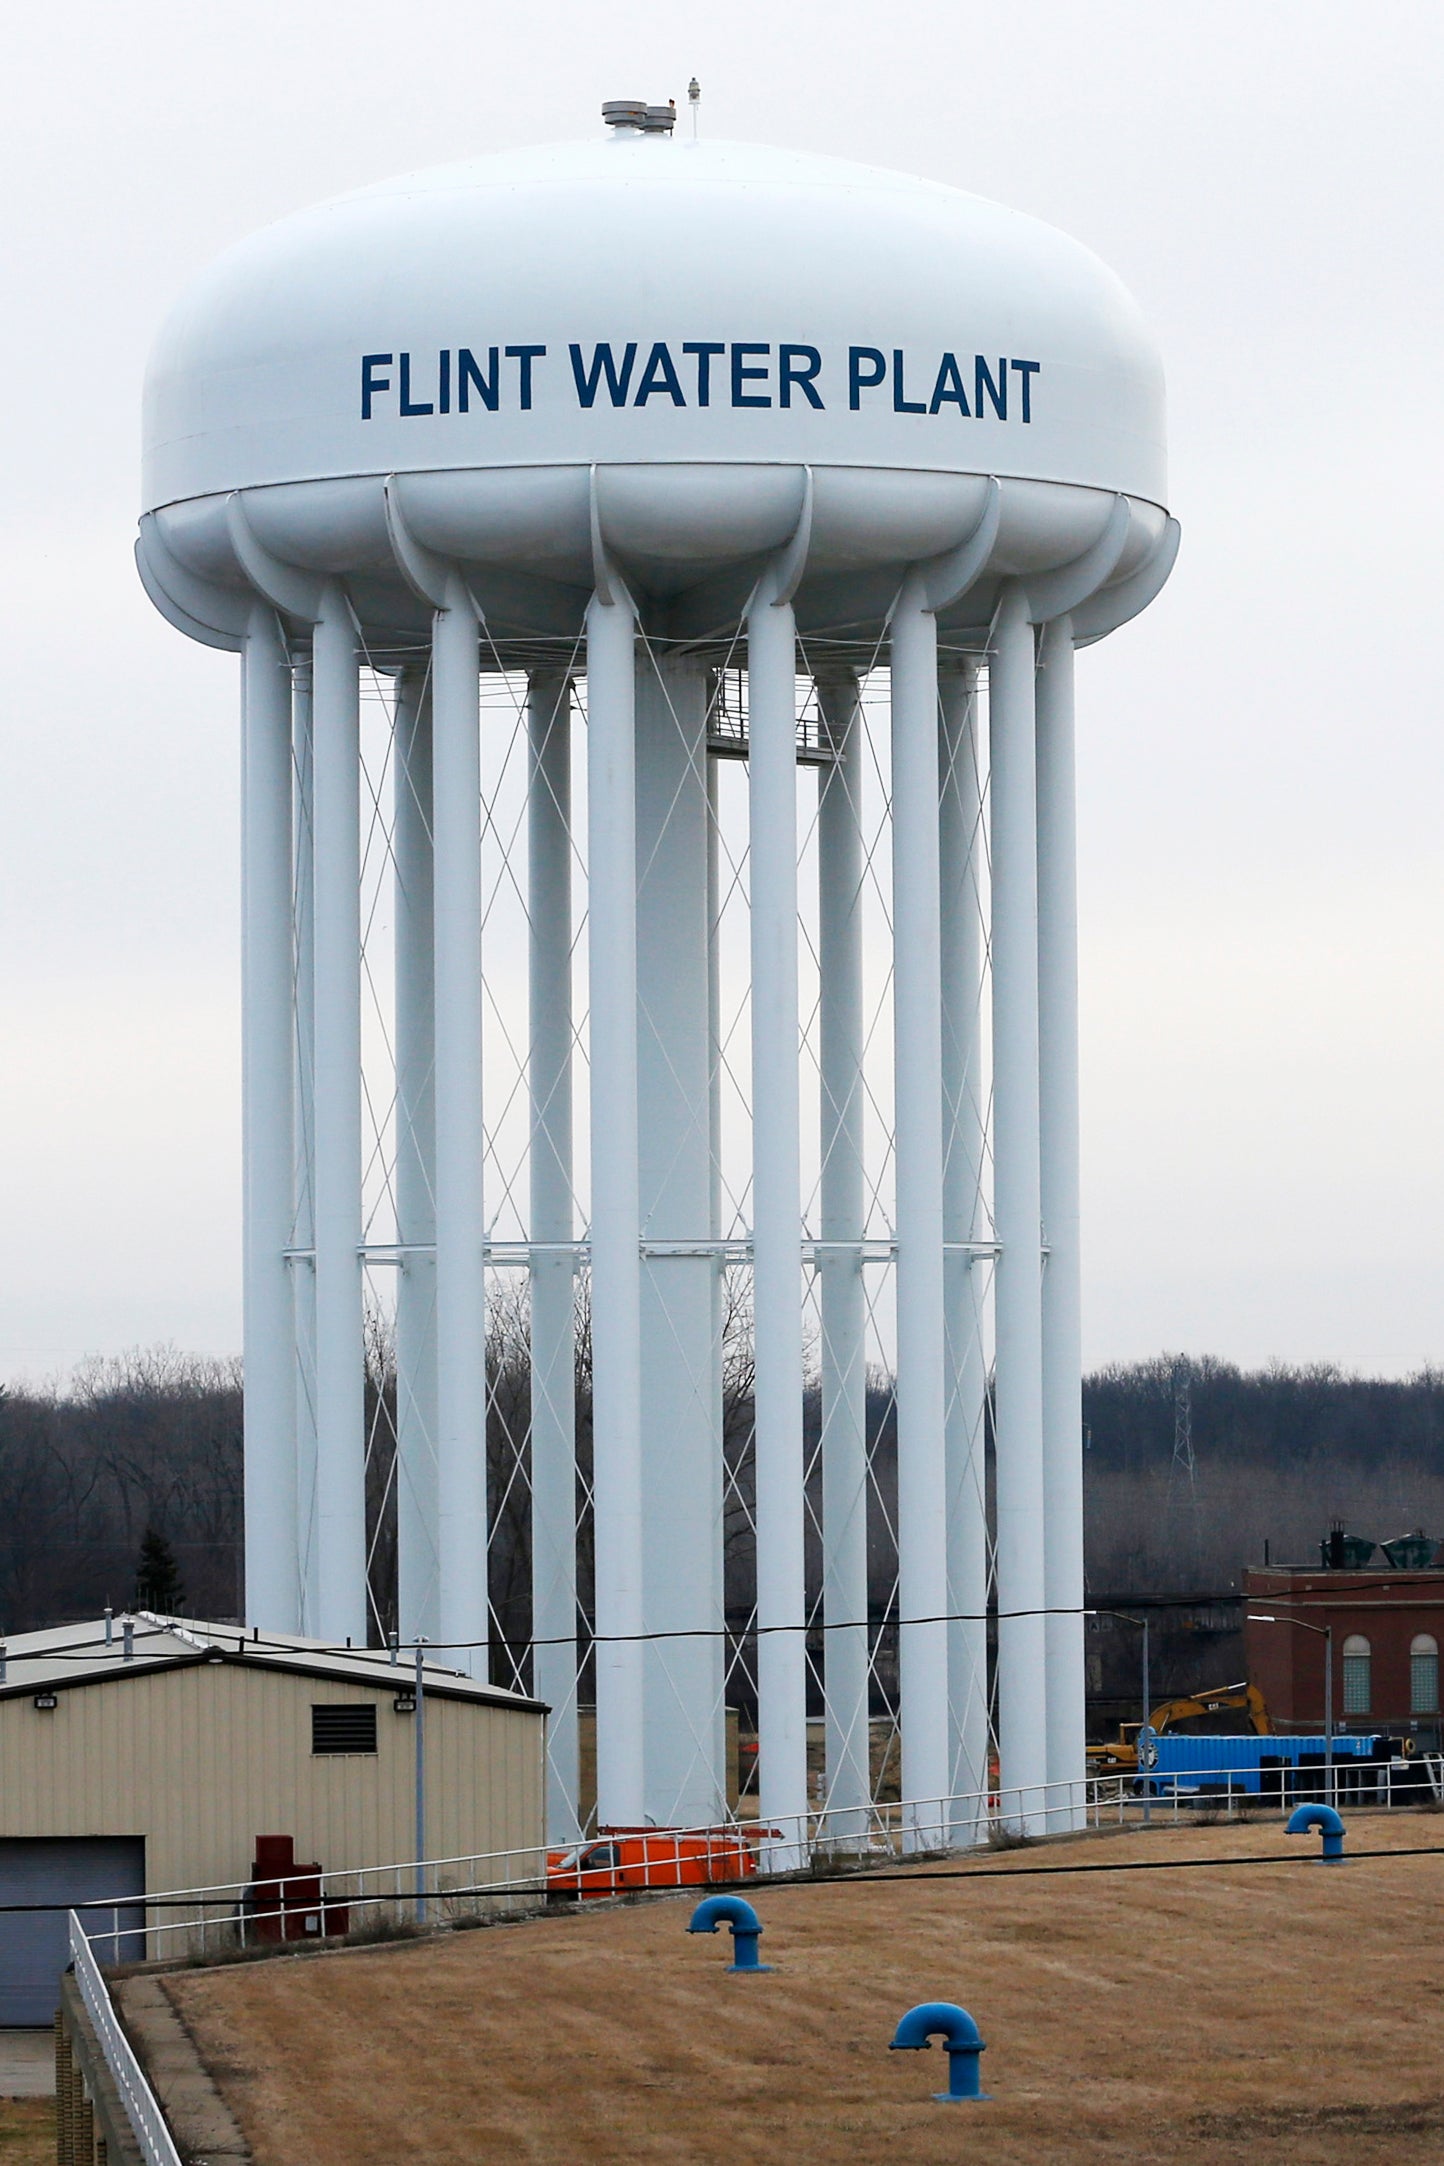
(703, 322)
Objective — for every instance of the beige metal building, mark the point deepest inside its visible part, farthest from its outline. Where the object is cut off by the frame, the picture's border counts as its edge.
(149, 1754)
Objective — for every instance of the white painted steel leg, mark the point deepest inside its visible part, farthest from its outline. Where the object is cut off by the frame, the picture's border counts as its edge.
(681, 1409)
(342, 1608)
(918, 1119)
(1022, 1703)
(616, 1218)
(777, 1222)
(553, 1265)
(303, 1274)
(462, 1607)
(417, 1494)
(714, 1016)
(962, 873)
(843, 1352)
(1062, 1287)
(731, 1774)
(272, 1567)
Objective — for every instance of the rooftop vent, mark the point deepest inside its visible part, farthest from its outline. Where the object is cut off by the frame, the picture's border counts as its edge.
(1411, 1552)
(1345, 1552)
(631, 113)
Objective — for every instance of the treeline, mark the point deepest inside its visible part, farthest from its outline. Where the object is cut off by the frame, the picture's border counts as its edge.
(139, 1457)
(1278, 1455)
(147, 1443)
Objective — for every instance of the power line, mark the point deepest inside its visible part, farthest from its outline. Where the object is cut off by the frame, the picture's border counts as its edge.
(884, 1623)
(1127, 1865)
(900, 1875)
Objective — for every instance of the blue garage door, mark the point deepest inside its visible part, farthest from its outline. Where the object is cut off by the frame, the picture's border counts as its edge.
(34, 1944)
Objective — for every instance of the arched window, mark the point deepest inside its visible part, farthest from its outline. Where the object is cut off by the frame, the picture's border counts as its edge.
(1358, 1684)
(1424, 1674)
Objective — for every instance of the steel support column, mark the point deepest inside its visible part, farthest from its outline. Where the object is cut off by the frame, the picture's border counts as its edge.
(777, 1219)
(1062, 1287)
(918, 1125)
(303, 1234)
(963, 872)
(843, 1351)
(553, 1266)
(681, 1412)
(1022, 1701)
(417, 1493)
(615, 1215)
(341, 1599)
(462, 1608)
(715, 1065)
(272, 1563)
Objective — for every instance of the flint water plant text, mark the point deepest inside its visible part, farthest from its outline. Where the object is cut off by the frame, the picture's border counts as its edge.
(698, 372)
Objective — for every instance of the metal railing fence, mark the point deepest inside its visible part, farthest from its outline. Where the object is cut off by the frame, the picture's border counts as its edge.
(198, 1923)
(157, 2146)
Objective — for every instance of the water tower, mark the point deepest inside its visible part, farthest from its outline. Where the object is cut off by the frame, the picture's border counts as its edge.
(740, 474)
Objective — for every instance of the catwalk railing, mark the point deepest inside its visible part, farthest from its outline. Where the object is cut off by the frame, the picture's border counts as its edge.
(377, 1900)
(157, 2146)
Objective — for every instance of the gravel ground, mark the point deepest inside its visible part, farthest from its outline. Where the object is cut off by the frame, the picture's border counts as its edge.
(1286, 2015)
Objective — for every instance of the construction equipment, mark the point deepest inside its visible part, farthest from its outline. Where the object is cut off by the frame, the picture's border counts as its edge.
(1196, 1713)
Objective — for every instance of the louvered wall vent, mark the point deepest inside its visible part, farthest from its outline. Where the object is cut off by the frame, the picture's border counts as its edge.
(344, 1727)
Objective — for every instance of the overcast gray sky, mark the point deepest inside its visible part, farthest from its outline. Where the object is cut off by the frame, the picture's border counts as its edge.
(1260, 755)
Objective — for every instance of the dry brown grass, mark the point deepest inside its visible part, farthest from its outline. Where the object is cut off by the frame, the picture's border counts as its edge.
(1284, 2017)
(27, 2132)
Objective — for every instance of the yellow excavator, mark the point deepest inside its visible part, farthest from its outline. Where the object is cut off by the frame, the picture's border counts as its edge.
(1196, 1713)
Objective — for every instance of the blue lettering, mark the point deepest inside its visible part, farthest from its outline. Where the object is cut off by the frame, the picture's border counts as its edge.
(804, 377)
(603, 363)
(704, 351)
(407, 406)
(997, 392)
(949, 388)
(525, 355)
(901, 404)
(742, 374)
(612, 370)
(659, 376)
(371, 382)
(856, 381)
(469, 378)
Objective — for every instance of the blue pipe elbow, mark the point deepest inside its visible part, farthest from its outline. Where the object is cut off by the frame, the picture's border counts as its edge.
(962, 2041)
(744, 1921)
(1323, 1817)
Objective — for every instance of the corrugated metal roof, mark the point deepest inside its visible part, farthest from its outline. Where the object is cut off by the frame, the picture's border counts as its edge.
(65, 1656)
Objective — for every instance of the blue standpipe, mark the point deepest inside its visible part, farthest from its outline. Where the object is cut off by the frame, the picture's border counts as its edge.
(744, 1921)
(962, 2042)
(1323, 1817)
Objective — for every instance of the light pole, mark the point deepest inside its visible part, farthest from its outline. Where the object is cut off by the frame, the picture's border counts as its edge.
(421, 1781)
(1326, 1634)
(1144, 1732)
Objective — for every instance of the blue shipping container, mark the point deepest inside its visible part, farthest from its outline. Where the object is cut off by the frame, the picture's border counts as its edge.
(1193, 1763)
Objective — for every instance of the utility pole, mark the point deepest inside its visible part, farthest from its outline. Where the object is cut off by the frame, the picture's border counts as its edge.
(421, 1782)
(1145, 1734)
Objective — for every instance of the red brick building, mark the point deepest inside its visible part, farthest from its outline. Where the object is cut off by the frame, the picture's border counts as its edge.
(1388, 1629)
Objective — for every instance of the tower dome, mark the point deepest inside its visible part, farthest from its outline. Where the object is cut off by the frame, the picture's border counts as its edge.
(689, 339)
